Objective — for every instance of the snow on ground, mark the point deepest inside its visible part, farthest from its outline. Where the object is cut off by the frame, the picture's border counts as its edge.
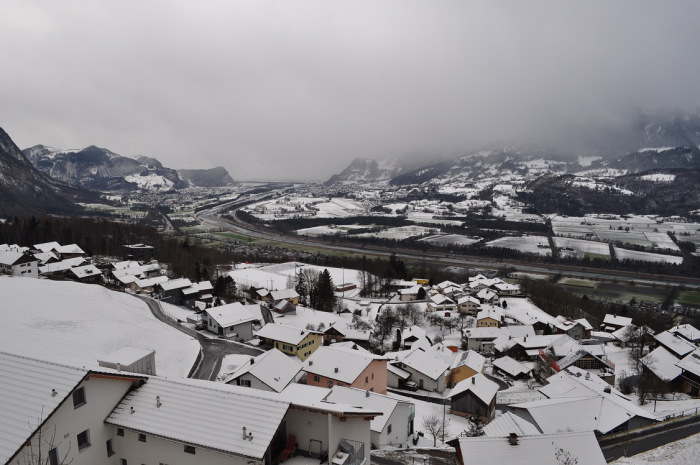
(307, 316)
(580, 248)
(400, 233)
(659, 177)
(586, 161)
(448, 239)
(621, 358)
(624, 254)
(230, 364)
(152, 182)
(77, 324)
(527, 244)
(683, 452)
(281, 275)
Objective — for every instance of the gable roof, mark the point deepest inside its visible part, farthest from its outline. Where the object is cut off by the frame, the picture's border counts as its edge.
(272, 368)
(616, 320)
(85, 271)
(471, 359)
(662, 363)
(175, 284)
(339, 363)
(148, 282)
(283, 333)
(231, 314)
(430, 366)
(11, 258)
(675, 343)
(287, 294)
(511, 366)
(47, 246)
(510, 423)
(691, 362)
(370, 400)
(205, 425)
(688, 331)
(479, 385)
(63, 265)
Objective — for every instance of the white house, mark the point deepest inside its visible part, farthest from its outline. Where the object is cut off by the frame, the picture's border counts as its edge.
(428, 372)
(18, 264)
(271, 371)
(232, 320)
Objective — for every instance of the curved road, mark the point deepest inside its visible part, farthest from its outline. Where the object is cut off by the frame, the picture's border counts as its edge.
(211, 217)
(208, 364)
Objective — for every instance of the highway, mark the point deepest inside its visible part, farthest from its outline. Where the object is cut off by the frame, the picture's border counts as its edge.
(212, 218)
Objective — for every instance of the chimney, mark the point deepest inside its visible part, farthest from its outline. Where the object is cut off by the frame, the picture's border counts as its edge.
(252, 360)
(158, 403)
(311, 362)
(132, 410)
(473, 379)
(336, 369)
(607, 389)
(588, 376)
(244, 433)
(513, 439)
(525, 338)
(53, 393)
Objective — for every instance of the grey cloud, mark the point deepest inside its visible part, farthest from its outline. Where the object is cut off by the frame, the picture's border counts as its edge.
(284, 90)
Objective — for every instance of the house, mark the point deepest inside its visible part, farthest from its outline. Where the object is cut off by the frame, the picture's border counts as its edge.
(147, 285)
(345, 287)
(109, 416)
(468, 305)
(290, 295)
(542, 449)
(511, 367)
(490, 317)
(393, 428)
(466, 365)
(409, 294)
(284, 307)
(395, 376)
(171, 291)
(334, 333)
(291, 341)
(662, 364)
(198, 292)
(690, 376)
(440, 303)
(231, 321)
(412, 335)
(337, 366)
(139, 252)
(63, 252)
(474, 397)
(675, 343)
(576, 329)
(612, 322)
(688, 332)
(18, 264)
(481, 339)
(88, 274)
(427, 371)
(487, 296)
(59, 268)
(504, 289)
(271, 371)
(261, 294)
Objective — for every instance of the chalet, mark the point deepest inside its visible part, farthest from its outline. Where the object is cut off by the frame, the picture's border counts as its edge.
(393, 428)
(576, 329)
(412, 335)
(487, 296)
(409, 294)
(147, 285)
(482, 339)
(539, 449)
(490, 317)
(662, 365)
(474, 397)
(675, 343)
(466, 365)
(139, 252)
(88, 274)
(440, 303)
(231, 321)
(612, 322)
(45, 257)
(687, 332)
(289, 340)
(290, 295)
(504, 289)
(261, 294)
(68, 251)
(271, 371)
(331, 366)
(468, 305)
(528, 347)
(18, 264)
(171, 291)
(427, 371)
(284, 307)
(334, 333)
(59, 268)
(198, 292)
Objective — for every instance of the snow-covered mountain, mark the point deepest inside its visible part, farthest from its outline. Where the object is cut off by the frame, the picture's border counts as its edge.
(364, 170)
(213, 177)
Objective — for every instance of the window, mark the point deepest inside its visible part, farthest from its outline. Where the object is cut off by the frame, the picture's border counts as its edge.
(388, 430)
(189, 450)
(84, 440)
(120, 432)
(78, 397)
(142, 437)
(122, 462)
(244, 382)
(110, 451)
(372, 375)
(366, 379)
(330, 384)
(53, 456)
(317, 378)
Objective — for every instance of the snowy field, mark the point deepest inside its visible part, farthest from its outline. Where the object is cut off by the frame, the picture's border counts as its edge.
(683, 452)
(400, 233)
(581, 248)
(281, 275)
(451, 239)
(624, 254)
(328, 230)
(320, 207)
(79, 323)
(527, 244)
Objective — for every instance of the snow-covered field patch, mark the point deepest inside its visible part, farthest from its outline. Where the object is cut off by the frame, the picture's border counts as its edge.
(79, 323)
(527, 244)
(659, 177)
(581, 248)
(451, 239)
(624, 254)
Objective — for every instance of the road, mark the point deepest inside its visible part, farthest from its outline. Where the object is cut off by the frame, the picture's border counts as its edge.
(656, 438)
(213, 350)
(211, 217)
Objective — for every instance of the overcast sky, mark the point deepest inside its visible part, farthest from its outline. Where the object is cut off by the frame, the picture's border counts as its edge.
(296, 89)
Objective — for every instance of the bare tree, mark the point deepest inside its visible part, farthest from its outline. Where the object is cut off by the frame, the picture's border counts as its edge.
(564, 457)
(415, 315)
(43, 442)
(433, 423)
(386, 321)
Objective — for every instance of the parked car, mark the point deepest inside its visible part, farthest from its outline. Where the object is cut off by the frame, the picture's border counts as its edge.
(409, 386)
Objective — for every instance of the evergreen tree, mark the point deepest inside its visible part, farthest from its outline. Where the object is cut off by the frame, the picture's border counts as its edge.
(324, 292)
(300, 287)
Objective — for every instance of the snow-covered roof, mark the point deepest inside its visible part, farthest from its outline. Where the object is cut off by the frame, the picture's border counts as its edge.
(495, 313)
(148, 282)
(44, 257)
(508, 423)
(27, 387)
(287, 294)
(339, 363)
(231, 314)
(446, 284)
(616, 320)
(63, 265)
(129, 278)
(471, 359)
(273, 368)
(126, 356)
(85, 271)
(370, 400)
(505, 287)
(510, 366)
(175, 284)
(47, 246)
(519, 330)
(479, 385)
(691, 362)
(283, 333)
(484, 333)
(125, 264)
(314, 398)
(414, 331)
(431, 366)
(410, 290)
(10, 258)
(687, 331)
(577, 382)
(400, 372)
(662, 363)
(203, 286)
(439, 299)
(207, 425)
(468, 298)
(70, 248)
(584, 322)
(486, 294)
(675, 343)
(532, 450)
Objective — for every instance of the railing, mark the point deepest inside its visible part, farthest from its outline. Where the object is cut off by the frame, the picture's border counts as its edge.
(355, 449)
